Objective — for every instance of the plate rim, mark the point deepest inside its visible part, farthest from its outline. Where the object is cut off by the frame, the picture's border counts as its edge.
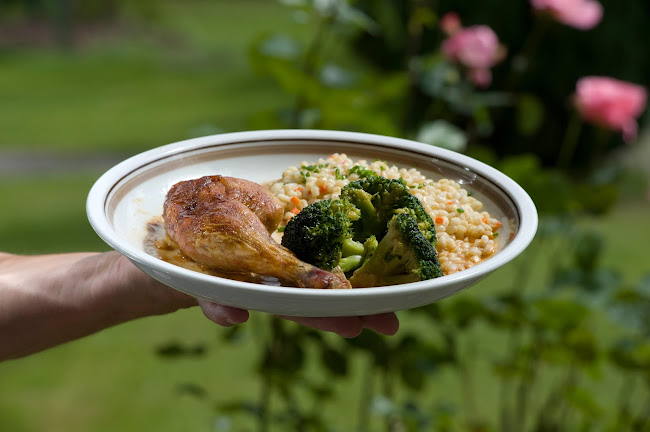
(101, 191)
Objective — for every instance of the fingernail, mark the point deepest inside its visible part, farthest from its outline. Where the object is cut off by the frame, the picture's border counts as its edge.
(232, 321)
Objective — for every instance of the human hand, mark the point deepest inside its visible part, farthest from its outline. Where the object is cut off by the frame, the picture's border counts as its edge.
(349, 327)
(226, 316)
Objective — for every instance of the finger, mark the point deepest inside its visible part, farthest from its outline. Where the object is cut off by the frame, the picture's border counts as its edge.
(223, 315)
(386, 323)
(347, 327)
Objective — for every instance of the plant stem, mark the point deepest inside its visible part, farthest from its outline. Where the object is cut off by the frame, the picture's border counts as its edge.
(504, 420)
(625, 395)
(527, 382)
(309, 63)
(292, 408)
(464, 376)
(268, 375)
(366, 398)
(553, 402)
(414, 40)
(644, 425)
(600, 147)
(393, 423)
(265, 402)
(570, 142)
(413, 46)
(522, 59)
(570, 383)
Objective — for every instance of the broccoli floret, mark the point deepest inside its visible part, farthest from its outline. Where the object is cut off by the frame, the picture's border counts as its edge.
(377, 231)
(321, 234)
(403, 255)
(369, 246)
(412, 205)
(379, 199)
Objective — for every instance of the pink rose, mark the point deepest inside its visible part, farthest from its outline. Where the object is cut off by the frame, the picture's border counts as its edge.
(477, 48)
(611, 103)
(450, 23)
(581, 14)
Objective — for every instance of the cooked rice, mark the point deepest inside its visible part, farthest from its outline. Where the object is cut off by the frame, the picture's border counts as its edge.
(466, 235)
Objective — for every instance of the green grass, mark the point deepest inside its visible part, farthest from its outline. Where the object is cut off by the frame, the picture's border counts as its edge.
(46, 214)
(114, 381)
(139, 91)
(626, 234)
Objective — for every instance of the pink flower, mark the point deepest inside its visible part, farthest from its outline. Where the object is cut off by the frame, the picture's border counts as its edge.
(477, 48)
(611, 103)
(581, 14)
(450, 23)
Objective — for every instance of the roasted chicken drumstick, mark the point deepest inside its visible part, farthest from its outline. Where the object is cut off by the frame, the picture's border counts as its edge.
(225, 222)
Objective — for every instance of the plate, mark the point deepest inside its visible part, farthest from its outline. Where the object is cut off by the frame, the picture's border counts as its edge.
(125, 198)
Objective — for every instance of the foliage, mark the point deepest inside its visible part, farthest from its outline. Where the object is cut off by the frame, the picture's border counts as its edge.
(391, 77)
(64, 17)
(566, 319)
(441, 346)
(557, 332)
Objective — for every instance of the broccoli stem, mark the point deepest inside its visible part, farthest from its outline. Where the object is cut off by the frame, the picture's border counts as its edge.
(350, 263)
(351, 247)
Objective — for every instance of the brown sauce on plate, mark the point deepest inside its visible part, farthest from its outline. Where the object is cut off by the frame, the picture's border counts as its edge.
(158, 244)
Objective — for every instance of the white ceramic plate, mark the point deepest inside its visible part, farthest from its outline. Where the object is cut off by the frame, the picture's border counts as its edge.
(127, 196)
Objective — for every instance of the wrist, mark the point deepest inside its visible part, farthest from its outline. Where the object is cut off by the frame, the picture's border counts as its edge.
(130, 293)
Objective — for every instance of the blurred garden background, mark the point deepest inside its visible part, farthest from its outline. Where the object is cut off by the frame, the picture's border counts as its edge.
(553, 93)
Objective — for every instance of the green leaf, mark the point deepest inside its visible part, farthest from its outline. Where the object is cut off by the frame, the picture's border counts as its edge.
(382, 406)
(322, 391)
(559, 315)
(412, 376)
(595, 199)
(465, 310)
(631, 354)
(205, 130)
(583, 345)
(280, 46)
(437, 76)
(240, 407)
(530, 114)
(508, 368)
(373, 343)
(583, 400)
(195, 390)
(422, 17)
(441, 133)
(285, 354)
(335, 76)
(630, 305)
(506, 311)
(642, 286)
(550, 190)
(335, 362)
(234, 335)
(588, 249)
(222, 424)
(353, 17)
(173, 350)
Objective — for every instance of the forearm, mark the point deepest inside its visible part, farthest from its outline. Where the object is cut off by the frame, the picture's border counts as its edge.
(51, 299)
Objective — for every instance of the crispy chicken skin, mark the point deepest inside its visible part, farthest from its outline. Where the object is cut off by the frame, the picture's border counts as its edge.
(225, 223)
